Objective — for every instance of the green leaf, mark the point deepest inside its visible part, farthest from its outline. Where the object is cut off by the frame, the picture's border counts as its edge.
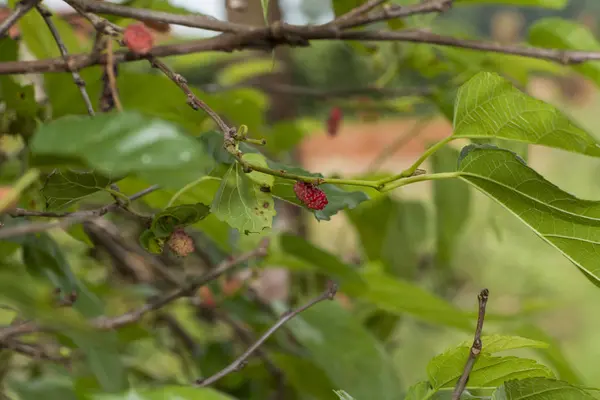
(126, 143)
(452, 205)
(259, 177)
(325, 262)
(553, 4)
(242, 204)
(391, 231)
(553, 354)
(39, 40)
(165, 222)
(567, 223)
(16, 97)
(337, 197)
(343, 395)
(265, 10)
(150, 242)
(445, 369)
(43, 256)
(557, 33)
(540, 389)
(46, 387)
(341, 7)
(243, 71)
(398, 296)
(418, 391)
(167, 393)
(304, 376)
(497, 343)
(328, 332)
(489, 106)
(65, 187)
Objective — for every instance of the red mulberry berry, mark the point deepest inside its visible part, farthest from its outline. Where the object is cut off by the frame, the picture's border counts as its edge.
(313, 197)
(334, 121)
(138, 38)
(181, 243)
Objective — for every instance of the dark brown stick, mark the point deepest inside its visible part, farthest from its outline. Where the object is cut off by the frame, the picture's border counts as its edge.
(475, 348)
(109, 323)
(71, 219)
(240, 362)
(21, 9)
(79, 82)
(263, 39)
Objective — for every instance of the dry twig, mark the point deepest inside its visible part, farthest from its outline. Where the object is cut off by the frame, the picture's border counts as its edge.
(241, 361)
(475, 348)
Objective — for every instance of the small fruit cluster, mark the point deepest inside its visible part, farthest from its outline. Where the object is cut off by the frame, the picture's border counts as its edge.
(313, 197)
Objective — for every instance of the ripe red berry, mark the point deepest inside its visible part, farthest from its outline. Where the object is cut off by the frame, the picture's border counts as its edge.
(313, 197)
(138, 38)
(334, 121)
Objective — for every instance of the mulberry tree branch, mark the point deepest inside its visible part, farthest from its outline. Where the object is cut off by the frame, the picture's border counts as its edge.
(79, 82)
(241, 361)
(475, 348)
(21, 9)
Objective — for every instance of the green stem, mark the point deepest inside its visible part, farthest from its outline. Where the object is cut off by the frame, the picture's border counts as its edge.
(119, 195)
(309, 179)
(258, 142)
(23, 183)
(418, 178)
(186, 188)
(413, 168)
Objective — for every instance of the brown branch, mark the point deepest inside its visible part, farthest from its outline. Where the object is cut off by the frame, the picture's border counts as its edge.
(193, 21)
(109, 323)
(34, 352)
(70, 219)
(136, 314)
(296, 35)
(110, 73)
(356, 12)
(396, 11)
(192, 99)
(247, 338)
(240, 362)
(79, 82)
(21, 9)
(475, 348)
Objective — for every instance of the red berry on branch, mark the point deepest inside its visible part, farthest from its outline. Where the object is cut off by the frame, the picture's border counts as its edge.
(334, 121)
(138, 38)
(313, 197)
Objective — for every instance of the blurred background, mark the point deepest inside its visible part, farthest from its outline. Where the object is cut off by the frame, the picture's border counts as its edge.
(290, 95)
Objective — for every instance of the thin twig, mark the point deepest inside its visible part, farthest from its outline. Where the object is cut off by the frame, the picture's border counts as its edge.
(193, 21)
(475, 348)
(397, 11)
(240, 362)
(34, 352)
(79, 82)
(192, 99)
(247, 338)
(136, 314)
(109, 323)
(69, 220)
(21, 9)
(357, 12)
(110, 72)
